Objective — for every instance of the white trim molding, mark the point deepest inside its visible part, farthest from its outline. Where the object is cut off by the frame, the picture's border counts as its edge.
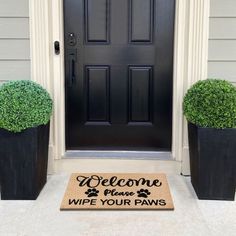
(190, 65)
(47, 69)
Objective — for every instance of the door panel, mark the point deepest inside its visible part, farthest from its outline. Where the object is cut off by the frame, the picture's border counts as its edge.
(96, 21)
(118, 63)
(140, 95)
(97, 80)
(141, 21)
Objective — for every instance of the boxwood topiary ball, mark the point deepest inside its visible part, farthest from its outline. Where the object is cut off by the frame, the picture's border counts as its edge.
(23, 104)
(211, 103)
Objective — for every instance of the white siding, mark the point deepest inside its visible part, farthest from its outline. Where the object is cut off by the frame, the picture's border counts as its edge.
(14, 28)
(222, 40)
(16, 70)
(222, 28)
(14, 40)
(14, 8)
(222, 50)
(223, 8)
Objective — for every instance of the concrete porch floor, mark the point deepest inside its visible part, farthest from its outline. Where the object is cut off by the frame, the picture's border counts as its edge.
(190, 217)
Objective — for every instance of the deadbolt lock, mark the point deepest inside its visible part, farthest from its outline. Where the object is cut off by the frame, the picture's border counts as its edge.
(72, 39)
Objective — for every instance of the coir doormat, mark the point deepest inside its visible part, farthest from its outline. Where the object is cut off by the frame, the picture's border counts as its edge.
(117, 191)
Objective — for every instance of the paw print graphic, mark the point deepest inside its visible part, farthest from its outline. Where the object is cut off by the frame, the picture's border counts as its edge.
(143, 193)
(92, 192)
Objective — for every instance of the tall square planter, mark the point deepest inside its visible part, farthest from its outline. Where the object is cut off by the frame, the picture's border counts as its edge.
(213, 162)
(23, 163)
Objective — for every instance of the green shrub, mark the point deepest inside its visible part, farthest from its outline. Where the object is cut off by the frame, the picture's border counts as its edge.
(211, 103)
(23, 104)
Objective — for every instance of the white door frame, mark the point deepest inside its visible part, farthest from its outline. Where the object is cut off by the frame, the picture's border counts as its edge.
(190, 65)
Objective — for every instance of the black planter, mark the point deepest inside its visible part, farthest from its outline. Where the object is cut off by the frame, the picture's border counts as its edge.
(213, 162)
(23, 163)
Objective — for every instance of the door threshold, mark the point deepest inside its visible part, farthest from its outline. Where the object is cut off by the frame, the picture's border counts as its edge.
(129, 155)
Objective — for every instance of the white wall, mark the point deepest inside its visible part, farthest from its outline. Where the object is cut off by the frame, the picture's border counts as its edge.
(222, 40)
(14, 40)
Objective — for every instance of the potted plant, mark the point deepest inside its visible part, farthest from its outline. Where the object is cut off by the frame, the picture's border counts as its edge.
(210, 109)
(25, 110)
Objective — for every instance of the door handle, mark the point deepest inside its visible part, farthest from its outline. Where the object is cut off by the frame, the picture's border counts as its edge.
(72, 66)
(72, 72)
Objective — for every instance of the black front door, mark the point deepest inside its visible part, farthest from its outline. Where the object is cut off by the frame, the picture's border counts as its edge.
(118, 63)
